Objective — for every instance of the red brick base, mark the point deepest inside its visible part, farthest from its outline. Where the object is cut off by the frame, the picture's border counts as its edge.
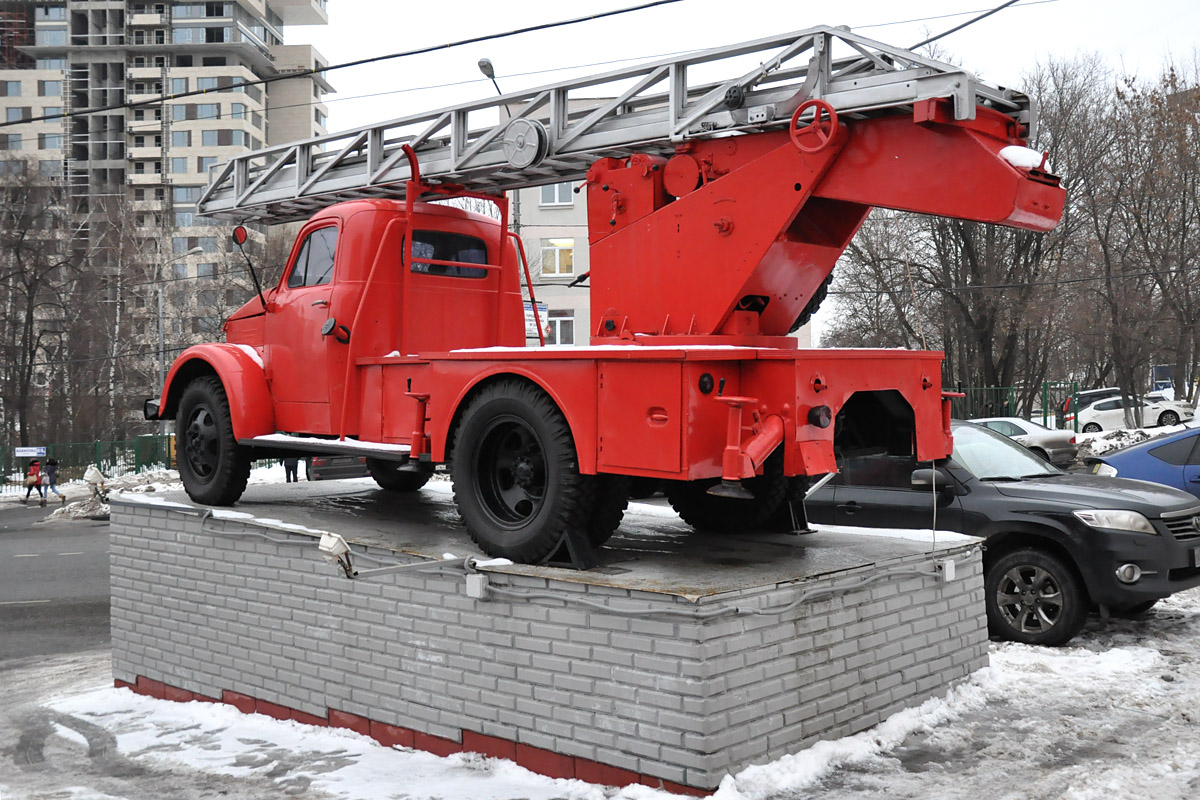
(534, 759)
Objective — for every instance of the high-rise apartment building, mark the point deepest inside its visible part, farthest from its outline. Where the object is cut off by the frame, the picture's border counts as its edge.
(147, 154)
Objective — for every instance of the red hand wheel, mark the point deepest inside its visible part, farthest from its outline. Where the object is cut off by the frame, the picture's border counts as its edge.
(816, 135)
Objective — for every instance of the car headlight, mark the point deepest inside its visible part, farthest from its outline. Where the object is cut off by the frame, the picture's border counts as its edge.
(1107, 470)
(1115, 519)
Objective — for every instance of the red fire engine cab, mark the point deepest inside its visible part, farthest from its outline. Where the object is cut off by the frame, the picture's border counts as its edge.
(716, 212)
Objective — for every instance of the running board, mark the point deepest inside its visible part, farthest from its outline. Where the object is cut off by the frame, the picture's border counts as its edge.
(311, 445)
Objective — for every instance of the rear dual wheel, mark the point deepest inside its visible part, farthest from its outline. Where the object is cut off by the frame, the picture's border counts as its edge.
(517, 481)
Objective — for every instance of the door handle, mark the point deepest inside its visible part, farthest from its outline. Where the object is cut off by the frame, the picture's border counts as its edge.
(850, 507)
(324, 303)
(1195, 479)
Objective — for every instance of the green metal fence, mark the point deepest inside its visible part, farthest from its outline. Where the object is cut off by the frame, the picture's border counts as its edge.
(114, 458)
(1007, 401)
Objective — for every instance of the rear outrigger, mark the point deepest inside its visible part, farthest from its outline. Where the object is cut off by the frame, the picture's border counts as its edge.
(716, 213)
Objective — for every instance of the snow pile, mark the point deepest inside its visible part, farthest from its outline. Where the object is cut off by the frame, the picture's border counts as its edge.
(1097, 444)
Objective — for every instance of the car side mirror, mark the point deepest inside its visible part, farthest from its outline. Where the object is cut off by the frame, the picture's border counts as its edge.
(939, 479)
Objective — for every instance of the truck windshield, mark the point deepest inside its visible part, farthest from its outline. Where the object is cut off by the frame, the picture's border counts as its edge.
(429, 247)
(989, 456)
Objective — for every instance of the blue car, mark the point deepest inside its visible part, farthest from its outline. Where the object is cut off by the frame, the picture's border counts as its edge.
(1172, 460)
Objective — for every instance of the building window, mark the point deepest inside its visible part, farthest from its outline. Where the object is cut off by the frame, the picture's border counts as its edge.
(206, 270)
(50, 38)
(179, 245)
(50, 13)
(557, 194)
(10, 88)
(210, 138)
(52, 63)
(182, 271)
(558, 257)
(204, 163)
(186, 194)
(179, 85)
(208, 111)
(184, 219)
(179, 113)
(319, 118)
(10, 141)
(179, 165)
(181, 138)
(50, 88)
(560, 327)
(50, 168)
(17, 113)
(12, 168)
(238, 111)
(207, 84)
(50, 141)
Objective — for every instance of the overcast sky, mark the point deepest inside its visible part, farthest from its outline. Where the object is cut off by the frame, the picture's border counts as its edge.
(1131, 36)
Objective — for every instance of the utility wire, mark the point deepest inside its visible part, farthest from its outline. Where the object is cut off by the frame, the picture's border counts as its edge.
(1001, 286)
(957, 28)
(360, 62)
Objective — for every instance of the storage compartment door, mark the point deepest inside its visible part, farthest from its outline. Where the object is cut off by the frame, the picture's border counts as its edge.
(640, 416)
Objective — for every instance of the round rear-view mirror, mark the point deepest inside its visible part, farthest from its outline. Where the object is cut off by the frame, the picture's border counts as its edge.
(240, 235)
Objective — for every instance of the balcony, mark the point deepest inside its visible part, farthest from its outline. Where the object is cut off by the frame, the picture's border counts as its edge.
(144, 179)
(301, 12)
(147, 20)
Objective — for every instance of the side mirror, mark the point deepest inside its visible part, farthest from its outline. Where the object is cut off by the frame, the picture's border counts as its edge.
(930, 479)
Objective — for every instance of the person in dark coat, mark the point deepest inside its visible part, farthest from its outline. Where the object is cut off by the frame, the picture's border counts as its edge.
(52, 479)
(289, 469)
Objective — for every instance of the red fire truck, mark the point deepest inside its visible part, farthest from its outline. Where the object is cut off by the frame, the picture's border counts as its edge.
(716, 212)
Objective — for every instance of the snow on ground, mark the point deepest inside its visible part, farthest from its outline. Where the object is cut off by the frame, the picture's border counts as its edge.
(1097, 444)
(1112, 717)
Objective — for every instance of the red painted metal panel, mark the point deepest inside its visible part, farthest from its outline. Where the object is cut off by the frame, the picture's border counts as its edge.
(640, 416)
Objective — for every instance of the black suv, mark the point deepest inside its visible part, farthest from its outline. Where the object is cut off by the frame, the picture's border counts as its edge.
(1058, 543)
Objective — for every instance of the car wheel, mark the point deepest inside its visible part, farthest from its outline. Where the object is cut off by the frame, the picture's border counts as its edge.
(516, 475)
(1168, 418)
(1091, 427)
(1034, 597)
(214, 469)
(389, 477)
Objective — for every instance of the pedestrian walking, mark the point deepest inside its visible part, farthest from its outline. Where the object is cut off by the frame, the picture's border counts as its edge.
(51, 474)
(289, 469)
(33, 480)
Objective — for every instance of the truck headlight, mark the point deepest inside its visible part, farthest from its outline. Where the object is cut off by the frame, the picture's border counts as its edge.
(1115, 519)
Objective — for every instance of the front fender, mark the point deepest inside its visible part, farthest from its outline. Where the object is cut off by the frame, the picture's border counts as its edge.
(240, 371)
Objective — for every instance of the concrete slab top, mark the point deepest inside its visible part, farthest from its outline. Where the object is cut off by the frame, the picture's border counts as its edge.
(653, 551)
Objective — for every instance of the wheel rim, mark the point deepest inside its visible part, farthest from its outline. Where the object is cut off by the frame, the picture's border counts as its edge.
(1030, 599)
(1169, 418)
(511, 474)
(202, 442)
(1091, 427)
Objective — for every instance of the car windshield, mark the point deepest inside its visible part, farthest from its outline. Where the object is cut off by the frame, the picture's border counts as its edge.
(989, 456)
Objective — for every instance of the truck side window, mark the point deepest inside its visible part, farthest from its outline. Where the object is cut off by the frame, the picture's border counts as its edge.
(314, 262)
(437, 246)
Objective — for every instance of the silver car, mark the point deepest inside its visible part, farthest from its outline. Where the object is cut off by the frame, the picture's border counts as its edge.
(1057, 447)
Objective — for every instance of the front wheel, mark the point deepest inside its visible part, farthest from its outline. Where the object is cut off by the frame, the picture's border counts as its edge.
(1168, 418)
(213, 467)
(1091, 427)
(516, 476)
(389, 477)
(1034, 597)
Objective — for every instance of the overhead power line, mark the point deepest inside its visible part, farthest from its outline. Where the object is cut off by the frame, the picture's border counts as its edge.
(487, 37)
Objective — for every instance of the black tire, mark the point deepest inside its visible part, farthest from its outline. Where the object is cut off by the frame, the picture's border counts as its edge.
(213, 467)
(1091, 427)
(516, 475)
(706, 512)
(813, 304)
(392, 479)
(1136, 611)
(610, 498)
(1034, 597)
(1168, 418)
(1040, 453)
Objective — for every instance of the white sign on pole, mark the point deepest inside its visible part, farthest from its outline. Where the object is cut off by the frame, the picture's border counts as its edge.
(30, 452)
(530, 324)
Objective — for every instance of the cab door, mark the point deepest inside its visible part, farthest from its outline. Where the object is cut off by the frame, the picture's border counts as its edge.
(298, 355)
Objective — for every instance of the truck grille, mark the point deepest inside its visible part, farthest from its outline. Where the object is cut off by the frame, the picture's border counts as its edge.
(1183, 526)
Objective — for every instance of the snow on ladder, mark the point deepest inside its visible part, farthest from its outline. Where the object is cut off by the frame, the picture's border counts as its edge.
(556, 132)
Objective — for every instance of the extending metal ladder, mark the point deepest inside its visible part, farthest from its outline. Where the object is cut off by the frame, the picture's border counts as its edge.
(555, 132)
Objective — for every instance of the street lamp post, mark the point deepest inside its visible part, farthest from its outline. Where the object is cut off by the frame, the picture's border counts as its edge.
(489, 72)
